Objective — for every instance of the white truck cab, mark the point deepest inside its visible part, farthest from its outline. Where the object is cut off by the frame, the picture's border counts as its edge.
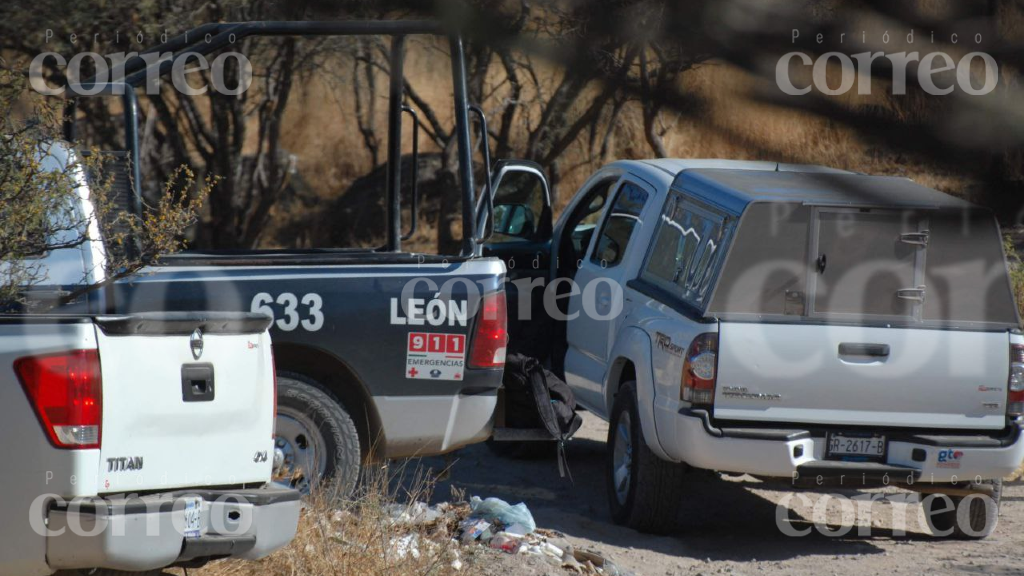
(789, 322)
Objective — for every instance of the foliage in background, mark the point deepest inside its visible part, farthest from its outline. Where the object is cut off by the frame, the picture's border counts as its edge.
(41, 207)
(1016, 266)
(571, 84)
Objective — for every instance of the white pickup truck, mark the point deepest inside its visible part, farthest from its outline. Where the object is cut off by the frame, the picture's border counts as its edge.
(135, 442)
(789, 322)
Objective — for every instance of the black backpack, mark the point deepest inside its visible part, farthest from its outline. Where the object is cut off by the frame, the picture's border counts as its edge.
(537, 398)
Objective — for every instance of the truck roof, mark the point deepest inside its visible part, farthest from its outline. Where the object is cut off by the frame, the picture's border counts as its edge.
(733, 184)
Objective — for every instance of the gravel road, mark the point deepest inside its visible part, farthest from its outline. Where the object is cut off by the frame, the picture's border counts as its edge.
(732, 523)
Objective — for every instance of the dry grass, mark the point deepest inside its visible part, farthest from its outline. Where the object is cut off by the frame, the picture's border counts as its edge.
(320, 129)
(338, 536)
(1018, 475)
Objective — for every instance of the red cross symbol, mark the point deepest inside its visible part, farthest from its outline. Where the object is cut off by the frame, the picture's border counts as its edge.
(457, 376)
(413, 372)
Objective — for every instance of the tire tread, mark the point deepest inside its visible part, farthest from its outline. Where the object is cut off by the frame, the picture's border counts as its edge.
(344, 463)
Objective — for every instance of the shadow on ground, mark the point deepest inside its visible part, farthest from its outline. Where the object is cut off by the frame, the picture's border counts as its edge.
(721, 520)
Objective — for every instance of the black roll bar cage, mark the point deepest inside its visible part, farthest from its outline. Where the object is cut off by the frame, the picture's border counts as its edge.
(215, 36)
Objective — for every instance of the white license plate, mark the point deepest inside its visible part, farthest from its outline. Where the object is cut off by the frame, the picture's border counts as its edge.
(193, 517)
(864, 446)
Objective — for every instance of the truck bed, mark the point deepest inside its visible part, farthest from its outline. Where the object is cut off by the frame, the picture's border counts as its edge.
(303, 257)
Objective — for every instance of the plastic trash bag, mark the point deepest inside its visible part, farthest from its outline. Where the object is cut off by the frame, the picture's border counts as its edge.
(497, 510)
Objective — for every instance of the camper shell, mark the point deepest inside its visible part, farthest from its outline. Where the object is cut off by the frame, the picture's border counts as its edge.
(820, 245)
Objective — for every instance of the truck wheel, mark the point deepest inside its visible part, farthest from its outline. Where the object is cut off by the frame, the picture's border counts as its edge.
(315, 435)
(644, 491)
(977, 520)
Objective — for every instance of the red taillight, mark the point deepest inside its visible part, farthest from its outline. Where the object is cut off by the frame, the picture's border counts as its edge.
(1015, 383)
(700, 369)
(491, 335)
(273, 371)
(66, 391)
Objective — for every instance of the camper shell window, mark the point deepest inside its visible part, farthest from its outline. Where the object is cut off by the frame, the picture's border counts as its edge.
(798, 262)
(687, 250)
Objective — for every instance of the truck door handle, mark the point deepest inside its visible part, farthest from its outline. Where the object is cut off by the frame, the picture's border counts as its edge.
(863, 349)
(915, 294)
(197, 383)
(915, 238)
(821, 263)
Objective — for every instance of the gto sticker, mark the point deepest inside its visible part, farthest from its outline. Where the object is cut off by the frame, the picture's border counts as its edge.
(948, 458)
(431, 356)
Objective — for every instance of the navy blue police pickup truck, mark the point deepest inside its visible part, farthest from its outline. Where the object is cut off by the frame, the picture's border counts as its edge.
(379, 353)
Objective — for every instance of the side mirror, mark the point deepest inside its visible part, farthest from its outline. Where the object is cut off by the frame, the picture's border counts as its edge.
(521, 204)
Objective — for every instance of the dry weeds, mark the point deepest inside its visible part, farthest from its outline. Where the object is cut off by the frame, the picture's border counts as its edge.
(339, 536)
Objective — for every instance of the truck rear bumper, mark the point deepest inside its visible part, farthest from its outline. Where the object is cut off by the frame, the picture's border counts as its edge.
(145, 533)
(688, 436)
(428, 425)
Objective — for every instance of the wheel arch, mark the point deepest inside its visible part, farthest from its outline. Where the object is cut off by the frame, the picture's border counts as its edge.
(632, 351)
(343, 383)
(620, 371)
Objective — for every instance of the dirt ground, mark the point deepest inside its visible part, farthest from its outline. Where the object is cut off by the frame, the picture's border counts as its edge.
(732, 526)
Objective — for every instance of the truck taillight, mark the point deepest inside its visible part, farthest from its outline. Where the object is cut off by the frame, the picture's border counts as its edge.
(700, 368)
(1015, 384)
(273, 370)
(491, 335)
(66, 391)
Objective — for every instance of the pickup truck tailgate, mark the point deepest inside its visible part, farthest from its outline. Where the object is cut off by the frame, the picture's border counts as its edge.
(859, 375)
(188, 400)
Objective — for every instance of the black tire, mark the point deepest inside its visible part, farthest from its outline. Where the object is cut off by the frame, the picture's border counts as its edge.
(310, 417)
(654, 487)
(980, 514)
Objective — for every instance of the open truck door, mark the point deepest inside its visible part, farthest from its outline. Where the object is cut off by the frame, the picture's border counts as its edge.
(516, 227)
(514, 223)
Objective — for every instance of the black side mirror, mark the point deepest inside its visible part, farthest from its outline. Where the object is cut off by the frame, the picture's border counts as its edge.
(521, 203)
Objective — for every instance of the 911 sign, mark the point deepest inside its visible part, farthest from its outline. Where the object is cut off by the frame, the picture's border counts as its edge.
(431, 356)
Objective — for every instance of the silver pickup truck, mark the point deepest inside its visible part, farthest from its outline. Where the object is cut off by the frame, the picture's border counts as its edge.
(800, 323)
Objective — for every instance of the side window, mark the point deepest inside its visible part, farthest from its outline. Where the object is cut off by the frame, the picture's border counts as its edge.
(618, 226)
(687, 250)
(584, 220)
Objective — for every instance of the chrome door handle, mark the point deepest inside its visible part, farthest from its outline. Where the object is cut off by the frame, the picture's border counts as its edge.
(863, 349)
(914, 294)
(915, 238)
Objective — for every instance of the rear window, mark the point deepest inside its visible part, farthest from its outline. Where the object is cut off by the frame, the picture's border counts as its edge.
(942, 267)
